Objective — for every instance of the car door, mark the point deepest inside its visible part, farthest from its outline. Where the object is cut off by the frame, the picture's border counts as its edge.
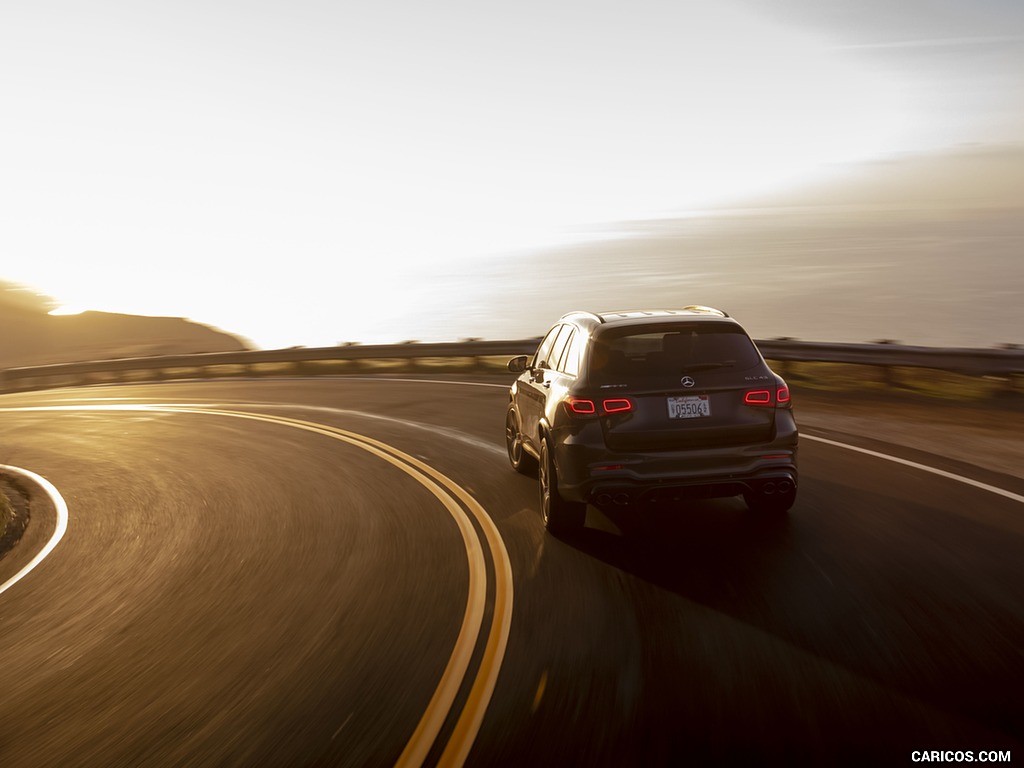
(565, 358)
(532, 391)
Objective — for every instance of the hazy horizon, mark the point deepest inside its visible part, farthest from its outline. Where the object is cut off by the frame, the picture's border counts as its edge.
(287, 171)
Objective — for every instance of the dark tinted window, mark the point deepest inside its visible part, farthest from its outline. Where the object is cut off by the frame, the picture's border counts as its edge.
(570, 362)
(542, 358)
(559, 346)
(670, 350)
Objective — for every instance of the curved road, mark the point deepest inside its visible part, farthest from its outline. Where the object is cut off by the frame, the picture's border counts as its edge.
(346, 572)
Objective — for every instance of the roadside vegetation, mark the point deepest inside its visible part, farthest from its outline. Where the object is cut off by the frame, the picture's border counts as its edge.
(919, 384)
(6, 510)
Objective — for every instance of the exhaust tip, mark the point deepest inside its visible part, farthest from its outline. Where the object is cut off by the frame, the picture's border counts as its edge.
(785, 486)
(622, 499)
(603, 499)
(768, 489)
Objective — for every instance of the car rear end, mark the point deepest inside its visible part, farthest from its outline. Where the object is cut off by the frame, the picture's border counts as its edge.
(675, 410)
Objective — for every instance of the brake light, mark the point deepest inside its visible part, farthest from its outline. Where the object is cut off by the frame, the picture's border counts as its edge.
(765, 396)
(617, 405)
(581, 406)
(758, 397)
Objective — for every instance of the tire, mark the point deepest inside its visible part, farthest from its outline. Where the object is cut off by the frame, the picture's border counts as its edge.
(561, 517)
(521, 461)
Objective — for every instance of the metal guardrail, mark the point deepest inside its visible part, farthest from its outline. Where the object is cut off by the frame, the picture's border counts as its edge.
(967, 361)
(19, 379)
(997, 362)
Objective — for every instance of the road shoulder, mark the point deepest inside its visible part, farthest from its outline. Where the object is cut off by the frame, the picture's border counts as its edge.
(15, 514)
(986, 437)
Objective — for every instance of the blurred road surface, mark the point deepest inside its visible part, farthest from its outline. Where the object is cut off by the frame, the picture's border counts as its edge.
(233, 591)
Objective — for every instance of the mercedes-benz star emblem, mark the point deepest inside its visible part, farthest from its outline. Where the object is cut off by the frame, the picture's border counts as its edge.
(686, 381)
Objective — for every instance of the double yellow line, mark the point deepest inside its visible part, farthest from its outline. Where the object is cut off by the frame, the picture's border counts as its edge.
(464, 510)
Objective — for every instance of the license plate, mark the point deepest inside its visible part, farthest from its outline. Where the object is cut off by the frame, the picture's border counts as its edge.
(689, 407)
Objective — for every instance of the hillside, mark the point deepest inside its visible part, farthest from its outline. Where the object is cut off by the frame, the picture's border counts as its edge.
(31, 336)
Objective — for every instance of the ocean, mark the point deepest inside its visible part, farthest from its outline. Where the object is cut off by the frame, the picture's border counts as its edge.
(946, 278)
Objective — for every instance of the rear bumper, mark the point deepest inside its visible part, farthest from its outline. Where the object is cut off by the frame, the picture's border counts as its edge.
(671, 492)
(604, 478)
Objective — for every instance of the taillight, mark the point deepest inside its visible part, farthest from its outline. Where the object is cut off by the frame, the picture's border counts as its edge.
(617, 405)
(580, 406)
(765, 396)
(758, 397)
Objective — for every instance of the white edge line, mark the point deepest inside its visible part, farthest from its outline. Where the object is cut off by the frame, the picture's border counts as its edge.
(58, 533)
(876, 454)
(423, 381)
(923, 467)
(906, 462)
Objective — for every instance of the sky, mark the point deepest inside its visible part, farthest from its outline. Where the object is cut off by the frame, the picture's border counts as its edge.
(292, 171)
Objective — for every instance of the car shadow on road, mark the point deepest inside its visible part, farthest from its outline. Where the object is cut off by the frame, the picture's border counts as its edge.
(932, 618)
(714, 551)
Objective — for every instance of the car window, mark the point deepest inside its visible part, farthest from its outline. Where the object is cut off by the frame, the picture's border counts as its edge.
(648, 352)
(570, 362)
(540, 359)
(559, 346)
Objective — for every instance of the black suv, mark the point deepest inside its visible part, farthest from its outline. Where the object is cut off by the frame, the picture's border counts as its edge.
(650, 408)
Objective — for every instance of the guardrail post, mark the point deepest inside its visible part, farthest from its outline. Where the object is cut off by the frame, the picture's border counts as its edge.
(889, 377)
(1007, 390)
(1010, 390)
(780, 364)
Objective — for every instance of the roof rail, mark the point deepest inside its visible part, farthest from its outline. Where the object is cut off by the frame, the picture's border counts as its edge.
(591, 315)
(702, 308)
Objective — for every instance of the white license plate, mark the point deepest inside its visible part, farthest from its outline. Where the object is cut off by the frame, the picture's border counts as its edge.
(690, 407)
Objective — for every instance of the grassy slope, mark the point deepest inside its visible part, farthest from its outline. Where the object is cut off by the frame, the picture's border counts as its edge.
(6, 512)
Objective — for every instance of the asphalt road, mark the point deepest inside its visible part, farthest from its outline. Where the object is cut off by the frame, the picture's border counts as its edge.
(347, 572)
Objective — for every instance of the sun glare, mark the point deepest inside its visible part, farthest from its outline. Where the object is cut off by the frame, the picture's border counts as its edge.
(66, 310)
(355, 193)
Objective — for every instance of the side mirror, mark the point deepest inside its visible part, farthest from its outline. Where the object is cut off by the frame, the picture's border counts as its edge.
(518, 364)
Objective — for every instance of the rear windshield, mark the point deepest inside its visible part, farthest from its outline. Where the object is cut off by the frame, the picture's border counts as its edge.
(669, 350)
